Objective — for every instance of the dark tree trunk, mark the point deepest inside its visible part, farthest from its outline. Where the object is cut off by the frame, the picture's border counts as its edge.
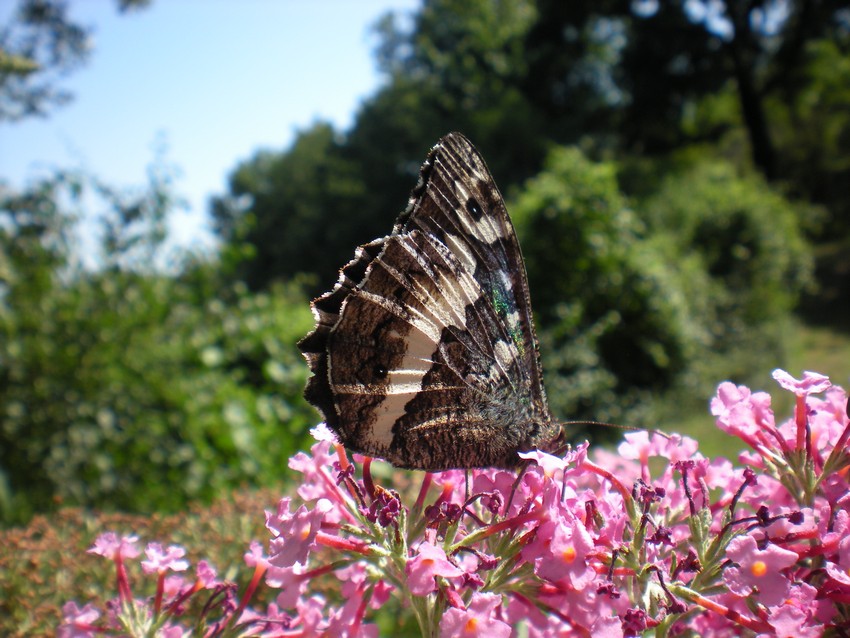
(743, 52)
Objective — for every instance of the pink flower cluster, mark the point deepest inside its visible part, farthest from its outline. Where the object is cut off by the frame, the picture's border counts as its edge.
(160, 615)
(655, 537)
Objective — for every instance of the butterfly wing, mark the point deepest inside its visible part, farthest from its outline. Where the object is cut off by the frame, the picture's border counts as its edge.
(424, 353)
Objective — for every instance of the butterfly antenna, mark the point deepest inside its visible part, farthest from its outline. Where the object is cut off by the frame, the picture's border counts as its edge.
(560, 449)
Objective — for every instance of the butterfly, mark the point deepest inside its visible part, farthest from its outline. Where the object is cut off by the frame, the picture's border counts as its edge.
(424, 353)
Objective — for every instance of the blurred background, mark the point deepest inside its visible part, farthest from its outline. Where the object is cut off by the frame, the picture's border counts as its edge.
(178, 179)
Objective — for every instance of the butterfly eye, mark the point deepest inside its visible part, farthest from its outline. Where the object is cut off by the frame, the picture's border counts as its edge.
(474, 208)
(379, 371)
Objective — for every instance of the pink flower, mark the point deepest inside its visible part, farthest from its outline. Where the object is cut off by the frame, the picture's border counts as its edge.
(758, 569)
(565, 557)
(311, 615)
(291, 582)
(551, 464)
(840, 571)
(79, 623)
(117, 549)
(318, 481)
(323, 433)
(502, 482)
(295, 533)
(811, 383)
(789, 621)
(173, 585)
(574, 553)
(828, 418)
(587, 611)
(255, 555)
(607, 627)
(206, 575)
(805, 598)
(478, 619)
(347, 621)
(430, 561)
(452, 484)
(380, 594)
(160, 561)
(110, 546)
(642, 446)
(744, 414)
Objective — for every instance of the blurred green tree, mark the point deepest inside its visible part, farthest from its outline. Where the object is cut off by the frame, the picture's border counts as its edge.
(130, 388)
(633, 297)
(301, 207)
(38, 47)
(649, 64)
(625, 81)
(620, 78)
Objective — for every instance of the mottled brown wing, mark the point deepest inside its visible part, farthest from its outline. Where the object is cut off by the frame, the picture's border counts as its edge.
(424, 353)
(458, 203)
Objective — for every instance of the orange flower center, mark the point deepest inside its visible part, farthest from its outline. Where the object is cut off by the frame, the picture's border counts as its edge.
(758, 568)
(569, 554)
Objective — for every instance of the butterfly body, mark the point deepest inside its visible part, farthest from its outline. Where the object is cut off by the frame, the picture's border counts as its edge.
(424, 353)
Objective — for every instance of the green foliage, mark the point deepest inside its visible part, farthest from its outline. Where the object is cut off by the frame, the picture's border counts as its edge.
(517, 77)
(132, 389)
(126, 392)
(628, 304)
(295, 209)
(633, 74)
(813, 135)
(128, 387)
(614, 322)
(746, 235)
(305, 209)
(466, 62)
(38, 46)
(459, 66)
(748, 241)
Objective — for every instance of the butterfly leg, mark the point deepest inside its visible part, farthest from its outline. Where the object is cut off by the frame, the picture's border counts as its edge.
(522, 470)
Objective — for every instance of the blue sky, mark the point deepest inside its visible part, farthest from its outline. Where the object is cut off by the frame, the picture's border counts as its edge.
(214, 79)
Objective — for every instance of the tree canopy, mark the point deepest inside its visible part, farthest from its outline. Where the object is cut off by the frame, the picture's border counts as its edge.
(39, 46)
(632, 79)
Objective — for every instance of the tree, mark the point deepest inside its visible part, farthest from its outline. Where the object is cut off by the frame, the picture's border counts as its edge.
(461, 66)
(125, 387)
(306, 208)
(631, 301)
(39, 46)
(649, 64)
(301, 211)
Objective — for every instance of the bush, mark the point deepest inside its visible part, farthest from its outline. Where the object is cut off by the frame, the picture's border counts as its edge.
(746, 238)
(133, 389)
(629, 301)
(613, 321)
(124, 391)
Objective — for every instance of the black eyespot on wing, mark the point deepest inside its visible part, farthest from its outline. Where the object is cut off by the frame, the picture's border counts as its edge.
(474, 209)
